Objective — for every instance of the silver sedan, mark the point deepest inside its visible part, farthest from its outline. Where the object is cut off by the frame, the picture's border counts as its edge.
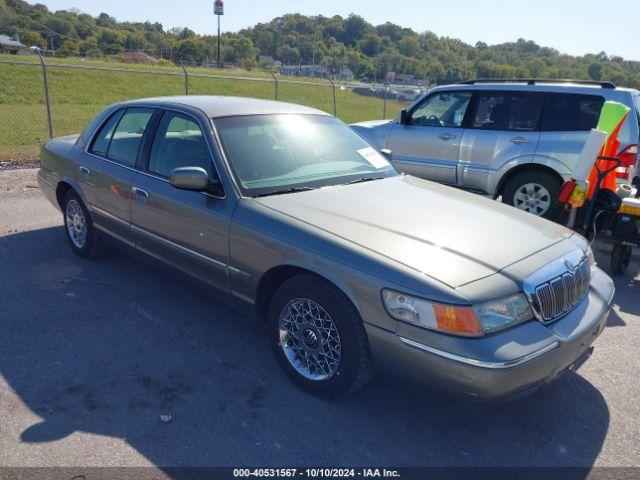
(354, 267)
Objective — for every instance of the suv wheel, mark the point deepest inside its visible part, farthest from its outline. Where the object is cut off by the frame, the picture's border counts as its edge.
(78, 228)
(534, 192)
(318, 337)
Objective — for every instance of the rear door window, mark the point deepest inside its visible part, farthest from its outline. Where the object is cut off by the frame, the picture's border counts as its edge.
(127, 136)
(101, 142)
(508, 111)
(571, 113)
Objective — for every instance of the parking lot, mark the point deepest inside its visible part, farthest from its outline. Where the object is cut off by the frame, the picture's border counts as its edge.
(116, 363)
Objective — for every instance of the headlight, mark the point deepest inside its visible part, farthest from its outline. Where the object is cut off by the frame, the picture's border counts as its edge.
(504, 312)
(473, 321)
(435, 316)
(591, 257)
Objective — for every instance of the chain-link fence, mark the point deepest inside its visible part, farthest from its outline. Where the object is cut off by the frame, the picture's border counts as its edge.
(77, 92)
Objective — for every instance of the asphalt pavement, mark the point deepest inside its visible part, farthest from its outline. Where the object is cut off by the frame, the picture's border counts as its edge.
(118, 363)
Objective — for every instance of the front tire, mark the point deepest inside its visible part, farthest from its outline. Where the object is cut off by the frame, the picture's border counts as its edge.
(620, 259)
(79, 229)
(534, 192)
(318, 337)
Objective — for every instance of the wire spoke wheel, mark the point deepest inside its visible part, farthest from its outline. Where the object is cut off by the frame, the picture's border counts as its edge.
(309, 339)
(76, 223)
(533, 198)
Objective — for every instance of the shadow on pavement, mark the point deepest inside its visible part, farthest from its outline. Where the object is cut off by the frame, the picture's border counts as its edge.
(108, 347)
(630, 302)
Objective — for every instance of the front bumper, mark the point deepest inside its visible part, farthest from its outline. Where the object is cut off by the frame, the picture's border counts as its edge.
(504, 364)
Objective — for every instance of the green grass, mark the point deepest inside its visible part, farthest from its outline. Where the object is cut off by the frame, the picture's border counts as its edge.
(77, 95)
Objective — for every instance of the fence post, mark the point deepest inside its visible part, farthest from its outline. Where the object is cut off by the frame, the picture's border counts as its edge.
(384, 105)
(275, 83)
(186, 78)
(46, 88)
(333, 88)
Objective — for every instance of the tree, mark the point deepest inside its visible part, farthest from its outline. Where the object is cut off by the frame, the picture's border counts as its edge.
(371, 45)
(32, 38)
(335, 42)
(110, 42)
(288, 54)
(595, 71)
(354, 29)
(135, 41)
(105, 20)
(409, 46)
(189, 51)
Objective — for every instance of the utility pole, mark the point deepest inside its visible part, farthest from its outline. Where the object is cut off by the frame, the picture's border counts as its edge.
(218, 54)
(315, 29)
(218, 10)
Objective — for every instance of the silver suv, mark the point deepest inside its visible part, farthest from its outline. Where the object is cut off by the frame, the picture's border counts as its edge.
(515, 139)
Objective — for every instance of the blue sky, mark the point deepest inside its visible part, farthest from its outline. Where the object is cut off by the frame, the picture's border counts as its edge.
(571, 26)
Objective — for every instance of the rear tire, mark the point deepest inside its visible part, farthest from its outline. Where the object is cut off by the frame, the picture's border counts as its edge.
(535, 192)
(318, 337)
(78, 227)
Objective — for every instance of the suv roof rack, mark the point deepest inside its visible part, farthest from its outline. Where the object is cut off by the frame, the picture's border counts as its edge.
(534, 81)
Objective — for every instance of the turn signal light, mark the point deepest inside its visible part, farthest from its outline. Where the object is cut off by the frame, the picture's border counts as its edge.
(460, 320)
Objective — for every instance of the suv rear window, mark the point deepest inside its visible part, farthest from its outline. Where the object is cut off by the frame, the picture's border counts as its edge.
(571, 113)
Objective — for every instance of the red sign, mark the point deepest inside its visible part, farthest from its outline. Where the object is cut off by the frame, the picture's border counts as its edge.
(218, 7)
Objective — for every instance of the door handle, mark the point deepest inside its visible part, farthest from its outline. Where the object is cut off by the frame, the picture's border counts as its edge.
(521, 140)
(140, 192)
(85, 170)
(446, 136)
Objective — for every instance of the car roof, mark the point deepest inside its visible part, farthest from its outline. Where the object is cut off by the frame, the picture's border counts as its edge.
(220, 106)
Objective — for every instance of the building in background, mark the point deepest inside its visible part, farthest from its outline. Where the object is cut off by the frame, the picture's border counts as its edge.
(317, 71)
(346, 75)
(12, 45)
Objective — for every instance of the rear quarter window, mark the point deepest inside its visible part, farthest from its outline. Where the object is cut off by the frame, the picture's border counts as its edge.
(571, 113)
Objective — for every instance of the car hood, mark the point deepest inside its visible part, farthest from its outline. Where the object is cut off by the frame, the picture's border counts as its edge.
(452, 236)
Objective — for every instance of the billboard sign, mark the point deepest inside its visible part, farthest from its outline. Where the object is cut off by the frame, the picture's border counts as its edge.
(218, 7)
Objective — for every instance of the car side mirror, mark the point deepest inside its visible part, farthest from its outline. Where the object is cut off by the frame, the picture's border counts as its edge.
(193, 178)
(404, 117)
(388, 154)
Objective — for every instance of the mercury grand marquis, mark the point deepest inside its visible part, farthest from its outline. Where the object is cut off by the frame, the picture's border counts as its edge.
(354, 267)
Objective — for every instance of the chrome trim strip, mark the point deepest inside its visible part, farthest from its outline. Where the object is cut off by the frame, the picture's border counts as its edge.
(479, 363)
(112, 162)
(188, 251)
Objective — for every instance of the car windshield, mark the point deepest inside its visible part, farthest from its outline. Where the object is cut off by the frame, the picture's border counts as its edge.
(271, 154)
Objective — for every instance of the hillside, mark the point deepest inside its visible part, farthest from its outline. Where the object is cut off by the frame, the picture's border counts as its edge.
(336, 43)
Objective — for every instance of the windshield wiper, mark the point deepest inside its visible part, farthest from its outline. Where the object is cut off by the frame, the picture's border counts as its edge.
(364, 179)
(284, 192)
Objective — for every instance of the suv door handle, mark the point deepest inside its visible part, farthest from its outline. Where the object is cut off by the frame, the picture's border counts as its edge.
(139, 191)
(446, 136)
(85, 170)
(521, 140)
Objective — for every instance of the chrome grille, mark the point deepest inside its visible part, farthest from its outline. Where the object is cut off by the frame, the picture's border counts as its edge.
(560, 294)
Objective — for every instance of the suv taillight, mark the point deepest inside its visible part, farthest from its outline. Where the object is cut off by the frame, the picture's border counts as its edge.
(628, 158)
